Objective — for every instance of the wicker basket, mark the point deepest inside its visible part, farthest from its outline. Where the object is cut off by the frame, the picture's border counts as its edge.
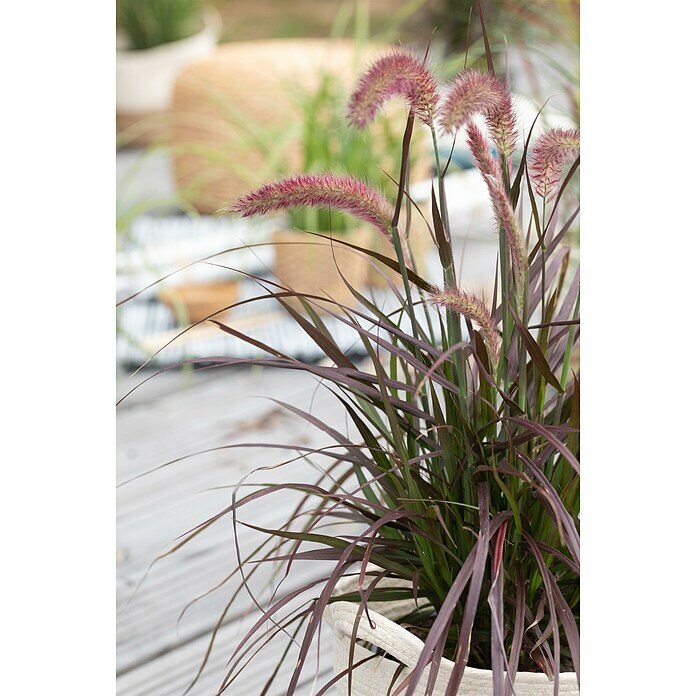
(310, 265)
(246, 94)
(145, 81)
(195, 302)
(421, 245)
(378, 676)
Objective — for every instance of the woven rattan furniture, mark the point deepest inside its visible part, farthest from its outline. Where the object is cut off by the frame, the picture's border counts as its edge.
(194, 302)
(314, 266)
(243, 94)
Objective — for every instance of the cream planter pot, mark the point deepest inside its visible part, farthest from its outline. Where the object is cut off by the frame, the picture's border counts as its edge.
(145, 79)
(377, 676)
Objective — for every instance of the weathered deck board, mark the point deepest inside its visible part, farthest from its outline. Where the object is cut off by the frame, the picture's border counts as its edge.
(175, 415)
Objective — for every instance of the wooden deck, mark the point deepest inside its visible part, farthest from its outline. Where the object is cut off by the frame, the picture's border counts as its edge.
(173, 415)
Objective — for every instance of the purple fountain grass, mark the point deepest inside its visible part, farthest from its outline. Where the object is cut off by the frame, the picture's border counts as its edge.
(475, 309)
(457, 461)
(398, 74)
(471, 93)
(551, 152)
(320, 191)
(502, 207)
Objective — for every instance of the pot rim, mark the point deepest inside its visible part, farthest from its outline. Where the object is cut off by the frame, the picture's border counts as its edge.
(389, 636)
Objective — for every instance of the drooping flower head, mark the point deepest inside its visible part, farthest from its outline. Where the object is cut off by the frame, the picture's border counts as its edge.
(398, 74)
(551, 152)
(486, 163)
(475, 309)
(319, 191)
(472, 93)
(502, 207)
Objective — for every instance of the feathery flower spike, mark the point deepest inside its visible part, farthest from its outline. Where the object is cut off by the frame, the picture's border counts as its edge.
(551, 152)
(502, 124)
(470, 93)
(474, 309)
(486, 163)
(398, 74)
(504, 214)
(322, 191)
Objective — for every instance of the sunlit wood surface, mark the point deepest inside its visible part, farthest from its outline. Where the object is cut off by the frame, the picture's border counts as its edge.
(171, 416)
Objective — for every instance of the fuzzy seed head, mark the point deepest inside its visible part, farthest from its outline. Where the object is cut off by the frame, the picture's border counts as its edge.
(502, 207)
(480, 149)
(471, 93)
(319, 191)
(514, 240)
(398, 74)
(475, 309)
(552, 151)
(502, 124)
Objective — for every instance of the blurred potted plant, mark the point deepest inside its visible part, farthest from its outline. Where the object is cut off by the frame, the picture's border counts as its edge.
(459, 573)
(155, 40)
(329, 144)
(192, 303)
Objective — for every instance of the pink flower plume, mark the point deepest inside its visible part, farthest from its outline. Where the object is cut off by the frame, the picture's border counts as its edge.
(398, 74)
(319, 191)
(487, 164)
(551, 152)
(470, 93)
(474, 309)
(502, 207)
(502, 124)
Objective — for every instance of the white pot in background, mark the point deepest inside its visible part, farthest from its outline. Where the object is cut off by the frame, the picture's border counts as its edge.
(145, 79)
(377, 676)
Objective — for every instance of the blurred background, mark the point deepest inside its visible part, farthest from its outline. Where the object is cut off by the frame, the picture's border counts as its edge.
(214, 99)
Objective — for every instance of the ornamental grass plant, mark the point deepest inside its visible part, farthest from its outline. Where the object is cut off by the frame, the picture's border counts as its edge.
(460, 472)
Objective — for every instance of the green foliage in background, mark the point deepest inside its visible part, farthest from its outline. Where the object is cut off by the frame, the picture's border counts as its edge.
(150, 23)
(330, 144)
